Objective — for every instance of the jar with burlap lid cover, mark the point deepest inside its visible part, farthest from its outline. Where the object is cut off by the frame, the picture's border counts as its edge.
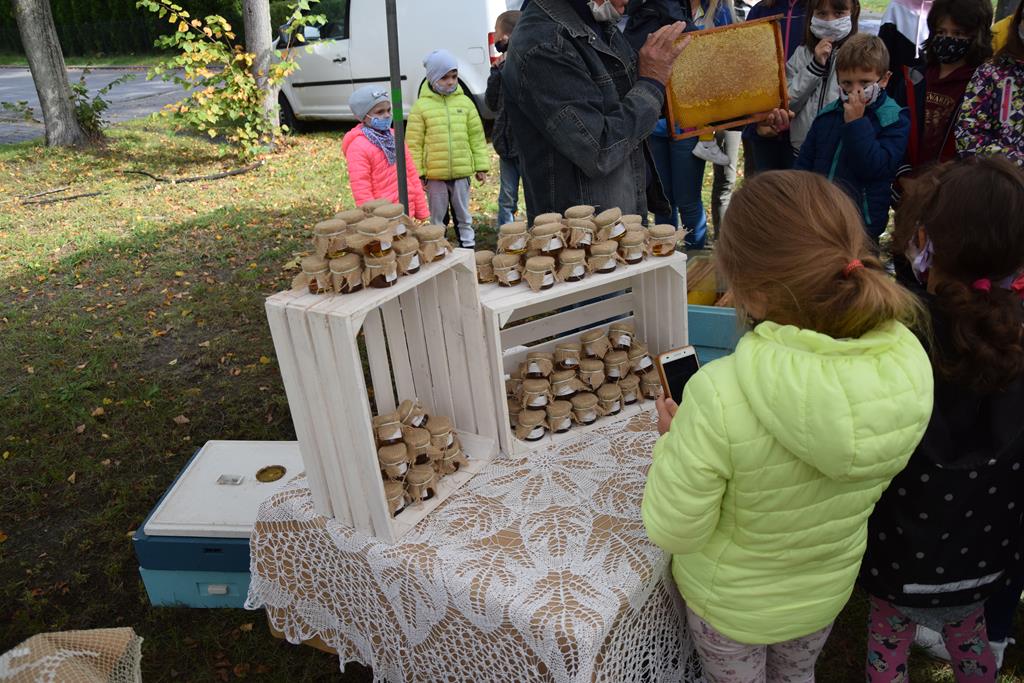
(452, 459)
(662, 239)
(394, 460)
(393, 214)
(559, 416)
(616, 365)
(372, 236)
(420, 483)
(540, 272)
(418, 441)
(513, 238)
(565, 384)
(538, 365)
(632, 246)
(640, 361)
(630, 386)
(609, 399)
(582, 232)
(433, 245)
(507, 269)
(380, 272)
(534, 393)
(442, 434)
(546, 218)
(604, 257)
(629, 219)
(394, 493)
(387, 428)
(350, 217)
(329, 238)
(650, 385)
(531, 425)
(514, 407)
(621, 334)
(347, 274)
(572, 265)
(547, 239)
(484, 269)
(407, 253)
(584, 408)
(568, 354)
(595, 343)
(592, 372)
(411, 413)
(369, 207)
(609, 225)
(315, 276)
(580, 212)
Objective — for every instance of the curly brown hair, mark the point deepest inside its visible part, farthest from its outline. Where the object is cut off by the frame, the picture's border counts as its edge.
(971, 211)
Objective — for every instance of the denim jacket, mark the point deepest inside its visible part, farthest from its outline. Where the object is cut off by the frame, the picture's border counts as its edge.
(579, 113)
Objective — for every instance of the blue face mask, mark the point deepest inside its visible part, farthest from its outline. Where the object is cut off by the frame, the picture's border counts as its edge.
(381, 124)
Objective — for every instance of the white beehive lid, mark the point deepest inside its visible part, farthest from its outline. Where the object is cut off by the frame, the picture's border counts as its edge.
(218, 494)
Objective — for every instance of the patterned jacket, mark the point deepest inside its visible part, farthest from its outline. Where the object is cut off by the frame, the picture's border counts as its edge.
(992, 115)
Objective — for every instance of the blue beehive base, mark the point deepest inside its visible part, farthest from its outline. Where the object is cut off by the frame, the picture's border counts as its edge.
(181, 588)
(713, 331)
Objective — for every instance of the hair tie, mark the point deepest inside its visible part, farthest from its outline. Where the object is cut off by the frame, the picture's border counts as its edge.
(982, 285)
(852, 266)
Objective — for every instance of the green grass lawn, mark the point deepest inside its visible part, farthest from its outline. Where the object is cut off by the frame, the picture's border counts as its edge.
(123, 312)
(13, 59)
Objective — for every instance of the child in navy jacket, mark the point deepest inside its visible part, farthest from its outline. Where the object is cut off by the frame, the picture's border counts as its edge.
(859, 140)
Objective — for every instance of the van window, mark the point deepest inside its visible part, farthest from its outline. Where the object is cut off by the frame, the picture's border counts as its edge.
(336, 12)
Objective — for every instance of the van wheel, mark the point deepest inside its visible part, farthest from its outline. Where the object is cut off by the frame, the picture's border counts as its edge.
(287, 115)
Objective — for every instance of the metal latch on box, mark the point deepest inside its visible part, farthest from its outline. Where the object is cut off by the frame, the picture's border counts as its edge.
(217, 589)
(230, 479)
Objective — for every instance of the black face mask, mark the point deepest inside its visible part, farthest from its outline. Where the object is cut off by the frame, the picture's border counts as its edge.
(501, 47)
(948, 49)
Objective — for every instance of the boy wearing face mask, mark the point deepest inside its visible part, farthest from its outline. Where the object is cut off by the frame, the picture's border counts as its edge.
(369, 149)
(501, 135)
(859, 141)
(447, 141)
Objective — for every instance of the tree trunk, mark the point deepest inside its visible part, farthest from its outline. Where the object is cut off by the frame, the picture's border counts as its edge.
(46, 61)
(259, 40)
(1005, 8)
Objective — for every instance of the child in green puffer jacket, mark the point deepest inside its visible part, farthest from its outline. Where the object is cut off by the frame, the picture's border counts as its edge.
(447, 141)
(762, 486)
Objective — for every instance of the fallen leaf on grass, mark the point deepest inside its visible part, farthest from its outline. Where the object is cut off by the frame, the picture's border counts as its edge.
(181, 420)
(97, 412)
(245, 628)
(173, 362)
(105, 462)
(80, 429)
(264, 360)
(3, 537)
(30, 370)
(73, 478)
(205, 344)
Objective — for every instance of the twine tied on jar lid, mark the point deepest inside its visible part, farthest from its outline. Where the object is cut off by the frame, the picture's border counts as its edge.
(567, 354)
(621, 334)
(407, 251)
(534, 393)
(441, 433)
(484, 269)
(433, 245)
(394, 460)
(329, 238)
(538, 364)
(384, 267)
(630, 386)
(592, 372)
(315, 276)
(662, 239)
(572, 265)
(584, 408)
(559, 416)
(393, 214)
(418, 441)
(453, 459)
(609, 399)
(388, 428)
(565, 383)
(609, 225)
(546, 238)
(374, 204)
(546, 218)
(411, 413)
(507, 269)
(373, 235)
(639, 358)
(514, 407)
(582, 211)
(616, 364)
(604, 256)
(512, 238)
(650, 385)
(420, 482)
(347, 274)
(540, 272)
(631, 246)
(350, 217)
(595, 343)
(582, 232)
(531, 425)
(394, 493)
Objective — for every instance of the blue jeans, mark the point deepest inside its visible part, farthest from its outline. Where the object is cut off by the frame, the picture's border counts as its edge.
(682, 175)
(508, 194)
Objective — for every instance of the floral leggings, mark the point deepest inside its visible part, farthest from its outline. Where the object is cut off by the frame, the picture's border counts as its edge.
(890, 634)
(723, 660)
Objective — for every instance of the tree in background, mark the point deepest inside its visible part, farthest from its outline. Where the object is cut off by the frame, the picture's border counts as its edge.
(46, 61)
(259, 42)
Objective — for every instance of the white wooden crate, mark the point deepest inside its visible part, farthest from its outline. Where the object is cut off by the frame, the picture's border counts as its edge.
(424, 339)
(517, 320)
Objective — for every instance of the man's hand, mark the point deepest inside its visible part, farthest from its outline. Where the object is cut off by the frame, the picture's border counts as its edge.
(481, 176)
(777, 123)
(660, 51)
(853, 108)
(822, 50)
(666, 411)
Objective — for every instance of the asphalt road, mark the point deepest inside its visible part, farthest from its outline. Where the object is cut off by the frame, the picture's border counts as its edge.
(133, 99)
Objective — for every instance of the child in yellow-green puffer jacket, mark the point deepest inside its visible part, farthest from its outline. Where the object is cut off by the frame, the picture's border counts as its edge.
(762, 486)
(447, 141)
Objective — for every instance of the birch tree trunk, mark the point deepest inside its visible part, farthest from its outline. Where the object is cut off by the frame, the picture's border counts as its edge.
(259, 40)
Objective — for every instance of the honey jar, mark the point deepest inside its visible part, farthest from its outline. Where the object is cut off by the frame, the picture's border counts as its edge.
(582, 233)
(513, 238)
(506, 270)
(620, 334)
(572, 265)
(630, 386)
(534, 393)
(539, 364)
(433, 245)
(315, 276)
(350, 217)
(629, 219)
(393, 214)
(452, 459)
(546, 218)
(347, 274)
(603, 256)
(514, 408)
(559, 416)
(329, 238)
(609, 399)
(547, 239)
(631, 246)
(369, 207)
(394, 492)
(411, 413)
(388, 429)
(639, 358)
(567, 355)
(531, 425)
(581, 212)
(650, 385)
(595, 343)
(591, 373)
(407, 253)
(374, 236)
(393, 460)
(418, 441)
(609, 225)
(380, 272)
(662, 240)
(540, 273)
(420, 483)
(565, 384)
(616, 365)
(584, 408)
(484, 269)
(442, 435)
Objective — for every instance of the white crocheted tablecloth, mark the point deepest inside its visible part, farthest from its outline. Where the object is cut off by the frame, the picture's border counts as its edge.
(538, 569)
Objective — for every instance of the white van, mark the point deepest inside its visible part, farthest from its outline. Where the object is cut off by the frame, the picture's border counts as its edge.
(351, 50)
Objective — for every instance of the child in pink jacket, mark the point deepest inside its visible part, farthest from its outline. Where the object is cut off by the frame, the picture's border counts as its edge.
(369, 149)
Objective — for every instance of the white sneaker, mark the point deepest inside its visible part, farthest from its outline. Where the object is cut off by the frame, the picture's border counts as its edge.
(708, 150)
(931, 642)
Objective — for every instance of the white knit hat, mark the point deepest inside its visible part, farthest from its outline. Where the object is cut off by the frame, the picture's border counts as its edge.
(438, 63)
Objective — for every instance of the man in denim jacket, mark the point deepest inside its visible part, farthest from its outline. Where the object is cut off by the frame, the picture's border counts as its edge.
(581, 103)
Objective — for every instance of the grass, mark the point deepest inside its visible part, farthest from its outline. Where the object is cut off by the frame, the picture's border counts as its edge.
(123, 312)
(147, 60)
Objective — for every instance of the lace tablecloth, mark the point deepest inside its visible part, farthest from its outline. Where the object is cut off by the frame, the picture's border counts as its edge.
(538, 569)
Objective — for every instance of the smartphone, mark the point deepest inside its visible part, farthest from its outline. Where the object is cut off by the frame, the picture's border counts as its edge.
(676, 368)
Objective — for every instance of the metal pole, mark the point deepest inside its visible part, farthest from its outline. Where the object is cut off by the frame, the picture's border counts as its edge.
(396, 102)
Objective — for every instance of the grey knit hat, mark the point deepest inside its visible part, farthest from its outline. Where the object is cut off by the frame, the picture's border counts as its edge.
(438, 63)
(366, 98)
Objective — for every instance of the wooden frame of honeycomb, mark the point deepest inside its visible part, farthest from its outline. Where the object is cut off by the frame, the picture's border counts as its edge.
(727, 77)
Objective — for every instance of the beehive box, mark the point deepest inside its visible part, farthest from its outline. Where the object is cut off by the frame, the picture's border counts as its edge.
(517, 320)
(726, 77)
(423, 339)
